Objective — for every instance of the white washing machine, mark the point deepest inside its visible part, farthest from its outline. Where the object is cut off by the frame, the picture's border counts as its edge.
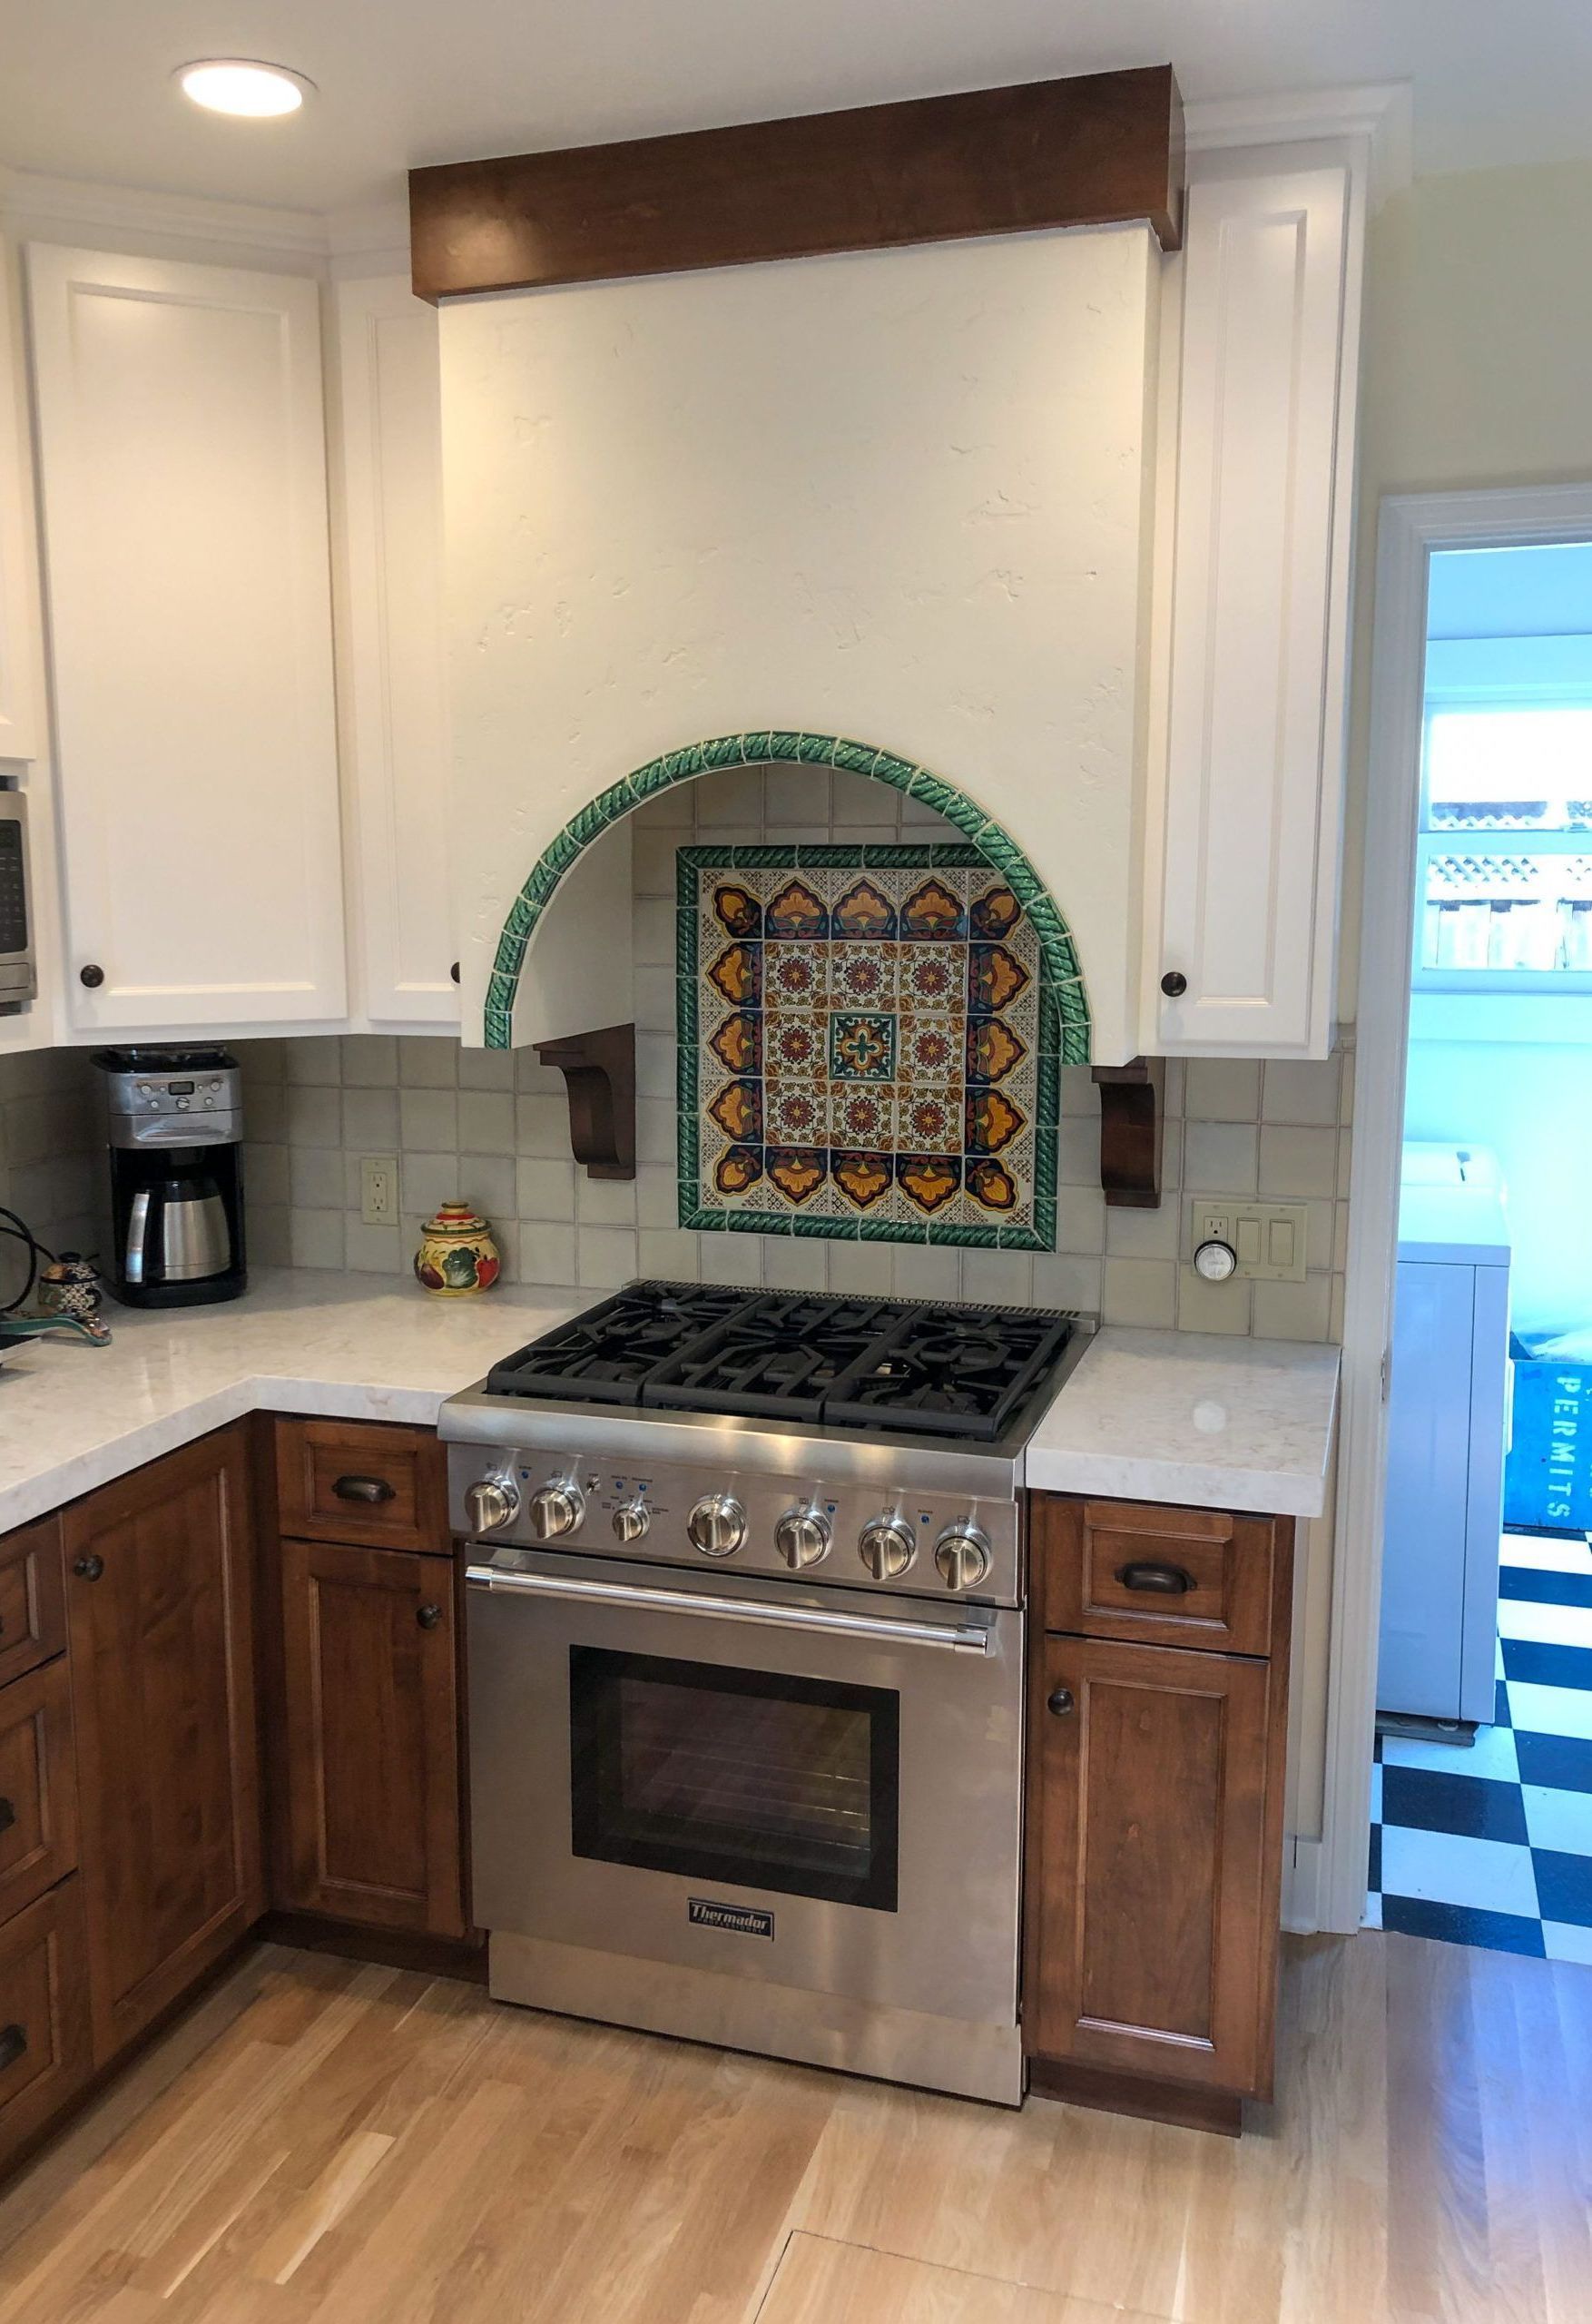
(1447, 1431)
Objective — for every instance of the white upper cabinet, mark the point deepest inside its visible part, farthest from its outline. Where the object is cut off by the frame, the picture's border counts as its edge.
(394, 706)
(182, 450)
(1246, 958)
(19, 729)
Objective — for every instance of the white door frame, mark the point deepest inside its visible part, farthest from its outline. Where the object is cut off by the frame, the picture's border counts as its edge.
(1410, 527)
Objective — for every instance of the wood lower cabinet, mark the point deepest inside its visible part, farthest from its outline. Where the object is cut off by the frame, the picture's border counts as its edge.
(159, 1615)
(1154, 1813)
(370, 1822)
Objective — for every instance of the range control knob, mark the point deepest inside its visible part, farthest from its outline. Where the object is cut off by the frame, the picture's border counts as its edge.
(556, 1509)
(631, 1520)
(962, 1555)
(717, 1525)
(491, 1504)
(802, 1537)
(887, 1548)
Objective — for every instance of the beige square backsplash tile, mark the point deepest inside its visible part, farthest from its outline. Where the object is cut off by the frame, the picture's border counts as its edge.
(486, 1121)
(1140, 1291)
(1303, 1093)
(1222, 1090)
(1297, 1163)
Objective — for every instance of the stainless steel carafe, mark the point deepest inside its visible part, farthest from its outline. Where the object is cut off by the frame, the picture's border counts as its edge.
(177, 1231)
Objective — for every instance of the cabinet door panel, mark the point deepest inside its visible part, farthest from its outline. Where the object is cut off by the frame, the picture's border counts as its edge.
(391, 398)
(38, 1786)
(181, 453)
(1148, 1878)
(159, 1593)
(372, 1815)
(1259, 618)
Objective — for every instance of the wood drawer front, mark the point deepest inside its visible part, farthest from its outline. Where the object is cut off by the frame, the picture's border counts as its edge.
(1159, 1576)
(45, 2044)
(33, 1608)
(38, 1786)
(364, 1481)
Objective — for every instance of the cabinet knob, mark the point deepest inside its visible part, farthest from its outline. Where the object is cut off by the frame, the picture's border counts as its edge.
(89, 1568)
(1174, 984)
(13, 2044)
(373, 1489)
(91, 974)
(428, 1617)
(1060, 1702)
(453, 972)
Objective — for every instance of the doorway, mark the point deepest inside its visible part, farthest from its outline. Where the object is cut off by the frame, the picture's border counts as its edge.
(1481, 1790)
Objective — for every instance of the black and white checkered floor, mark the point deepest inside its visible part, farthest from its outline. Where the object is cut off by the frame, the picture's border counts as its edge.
(1493, 1846)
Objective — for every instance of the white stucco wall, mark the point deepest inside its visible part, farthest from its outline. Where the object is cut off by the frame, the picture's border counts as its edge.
(899, 495)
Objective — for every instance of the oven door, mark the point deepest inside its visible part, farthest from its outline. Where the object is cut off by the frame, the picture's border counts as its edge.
(817, 1789)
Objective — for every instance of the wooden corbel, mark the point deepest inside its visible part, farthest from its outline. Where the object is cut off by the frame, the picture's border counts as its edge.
(599, 1075)
(1131, 1116)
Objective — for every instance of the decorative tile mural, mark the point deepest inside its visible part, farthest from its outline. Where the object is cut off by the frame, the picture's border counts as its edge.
(869, 1045)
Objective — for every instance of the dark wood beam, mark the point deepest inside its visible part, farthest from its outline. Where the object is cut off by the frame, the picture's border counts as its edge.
(1091, 151)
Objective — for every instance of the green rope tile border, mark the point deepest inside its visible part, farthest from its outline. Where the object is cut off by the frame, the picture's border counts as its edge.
(785, 747)
(968, 1235)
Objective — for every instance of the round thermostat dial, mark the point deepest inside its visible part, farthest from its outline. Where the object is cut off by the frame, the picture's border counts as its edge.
(1215, 1261)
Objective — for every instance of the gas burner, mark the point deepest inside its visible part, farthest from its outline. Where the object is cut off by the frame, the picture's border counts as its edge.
(881, 1365)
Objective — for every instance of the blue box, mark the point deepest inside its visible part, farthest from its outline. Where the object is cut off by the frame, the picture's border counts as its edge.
(1548, 1477)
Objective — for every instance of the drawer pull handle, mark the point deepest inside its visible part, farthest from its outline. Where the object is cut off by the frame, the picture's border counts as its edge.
(428, 1617)
(89, 1568)
(369, 1489)
(7, 1815)
(1159, 1580)
(13, 2044)
(1060, 1702)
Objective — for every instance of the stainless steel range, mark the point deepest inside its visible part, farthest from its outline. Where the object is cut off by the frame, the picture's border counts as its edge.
(746, 1671)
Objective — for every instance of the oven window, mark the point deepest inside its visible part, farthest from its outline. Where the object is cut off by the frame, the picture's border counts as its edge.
(746, 1777)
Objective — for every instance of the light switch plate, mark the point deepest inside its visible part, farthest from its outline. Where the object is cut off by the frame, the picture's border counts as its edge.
(1270, 1238)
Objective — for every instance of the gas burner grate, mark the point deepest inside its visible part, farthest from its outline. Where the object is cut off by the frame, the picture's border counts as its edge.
(847, 1362)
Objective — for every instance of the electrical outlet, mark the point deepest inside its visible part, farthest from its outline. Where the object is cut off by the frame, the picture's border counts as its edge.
(1270, 1239)
(378, 1196)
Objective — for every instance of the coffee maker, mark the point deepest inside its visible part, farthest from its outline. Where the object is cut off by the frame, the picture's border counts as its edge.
(176, 1129)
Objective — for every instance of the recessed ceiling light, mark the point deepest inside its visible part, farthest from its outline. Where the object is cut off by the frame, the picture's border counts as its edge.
(236, 85)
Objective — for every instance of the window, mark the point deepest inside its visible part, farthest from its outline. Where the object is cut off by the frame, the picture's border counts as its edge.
(1505, 883)
(750, 1778)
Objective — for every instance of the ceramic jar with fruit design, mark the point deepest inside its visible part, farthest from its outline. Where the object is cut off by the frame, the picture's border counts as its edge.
(457, 1255)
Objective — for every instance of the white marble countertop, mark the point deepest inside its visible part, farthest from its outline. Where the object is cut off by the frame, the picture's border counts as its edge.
(353, 1347)
(1193, 1417)
(1151, 1415)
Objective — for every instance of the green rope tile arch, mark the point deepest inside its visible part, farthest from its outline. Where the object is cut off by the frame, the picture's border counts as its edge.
(1068, 1038)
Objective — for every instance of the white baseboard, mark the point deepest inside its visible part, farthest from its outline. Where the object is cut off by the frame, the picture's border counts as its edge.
(1301, 1867)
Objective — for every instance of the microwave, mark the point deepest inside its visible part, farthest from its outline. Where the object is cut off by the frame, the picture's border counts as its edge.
(18, 983)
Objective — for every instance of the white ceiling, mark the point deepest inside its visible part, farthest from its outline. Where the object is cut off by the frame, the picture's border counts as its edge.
(84, 89)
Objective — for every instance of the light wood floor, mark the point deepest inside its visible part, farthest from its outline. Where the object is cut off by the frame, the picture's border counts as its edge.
(322, 2143)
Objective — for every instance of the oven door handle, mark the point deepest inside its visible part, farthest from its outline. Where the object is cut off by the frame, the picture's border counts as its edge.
(960, 1639)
